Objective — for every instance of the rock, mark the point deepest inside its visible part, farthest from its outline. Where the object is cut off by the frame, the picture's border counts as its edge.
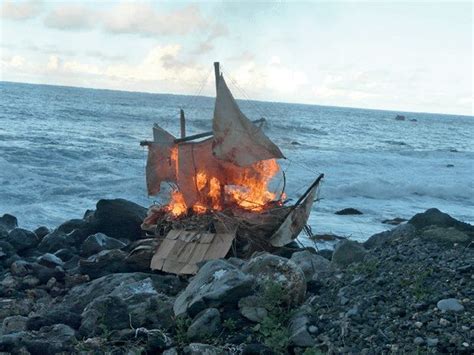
(8, 221)
(55, 241)
(51, 340)
(348, 252)
(50, 260)
(3, 232)
(104, 263)
(298, 327)
(434, 217)
(73, 224)
(268, 268)
(41, 232)
(394, 221)
(402, 231)
(120, 219)
(311, 264)
(65, 254)
(97, 242)
(202, 349)
(158, 341)
(216, 283)
(432, 342)
(21, 268)
(450, 304)
(257, 349)
(418, 341)
(207, 323)
(22, 239)
(14, 307)
(30, 281)
(326, 254)
(348, 211)
(251, 307)
(13, 324)
(446, 236)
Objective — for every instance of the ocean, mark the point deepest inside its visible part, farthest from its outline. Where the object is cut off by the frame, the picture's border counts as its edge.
(62, 149)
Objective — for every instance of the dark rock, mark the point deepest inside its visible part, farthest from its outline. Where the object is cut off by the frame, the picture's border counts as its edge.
(97, 242)
(299, 323)
(120, 219)
(104, 263)
(268, 268)
(207, 323)
(54, 241)
(450, 165)
(104, 314)
(3, 232)
(68, 226)
(257, 349)
(217, 282)
(202, 349)
(50, 260)
(8, 221)
(22, 239)
(446, 236)
(22, 268)
(400, 117)
(6, 251)
(326, 253)
(348, 211)
(450, 304)
(41, 232)
(13, 324)
(434, 217)
(54, 316)
(311, 264)
(44, 274)
(348, 252)
(157, 341)
(65, 254)
(51, 340)
(406, 231)
(394, 221)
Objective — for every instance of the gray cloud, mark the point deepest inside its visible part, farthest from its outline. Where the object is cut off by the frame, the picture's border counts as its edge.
(20, 10)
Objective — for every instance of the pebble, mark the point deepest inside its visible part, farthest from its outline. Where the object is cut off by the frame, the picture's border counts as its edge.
(418, 340)
(450, 304)
(418, 325)
(443, 322)
(465, 344)
(313, 329)
(432, 341)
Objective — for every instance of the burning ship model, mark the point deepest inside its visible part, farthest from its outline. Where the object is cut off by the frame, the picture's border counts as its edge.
(221, 199)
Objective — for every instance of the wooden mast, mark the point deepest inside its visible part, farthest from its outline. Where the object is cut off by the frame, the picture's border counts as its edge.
(182, 122)
(217, 73)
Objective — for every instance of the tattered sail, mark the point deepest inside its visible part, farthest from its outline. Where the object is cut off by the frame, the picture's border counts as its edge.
(236, 138)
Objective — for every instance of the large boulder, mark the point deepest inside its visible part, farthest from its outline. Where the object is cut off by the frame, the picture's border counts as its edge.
(95, 243)
(348, 252)
(13, 324)
(311, 264)
(299, 328)
(119, 218)
(434, 217)
(22, 239)
(55, 241)
(207, 323)
(405, 231)
(217, 282)
(104, 263)
(448, 236)
(8, 222)
(348, 211)
(267, 268)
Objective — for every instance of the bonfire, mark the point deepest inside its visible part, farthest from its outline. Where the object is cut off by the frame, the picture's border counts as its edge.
(221, 202)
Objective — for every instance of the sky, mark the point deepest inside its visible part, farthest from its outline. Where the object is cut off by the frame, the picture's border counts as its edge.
(394, 55)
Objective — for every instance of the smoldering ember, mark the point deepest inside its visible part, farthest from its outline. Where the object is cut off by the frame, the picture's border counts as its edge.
(219, 269)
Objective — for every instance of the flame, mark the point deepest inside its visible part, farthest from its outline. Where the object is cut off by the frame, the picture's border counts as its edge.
(246, 188)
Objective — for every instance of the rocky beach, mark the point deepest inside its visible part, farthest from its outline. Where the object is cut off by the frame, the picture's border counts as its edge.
(86, 287)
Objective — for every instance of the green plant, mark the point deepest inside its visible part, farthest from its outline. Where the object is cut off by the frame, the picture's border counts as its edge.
(313, 351)
(230, 324)
(182, 325)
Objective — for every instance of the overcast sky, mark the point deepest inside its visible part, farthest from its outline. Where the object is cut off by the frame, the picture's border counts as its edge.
(410, 56)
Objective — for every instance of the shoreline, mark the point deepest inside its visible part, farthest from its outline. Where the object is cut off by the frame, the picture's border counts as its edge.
(86, 287)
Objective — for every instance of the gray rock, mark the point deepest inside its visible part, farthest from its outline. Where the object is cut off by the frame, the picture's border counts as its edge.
(103, 315)
(54, 316)
(407, 231)
(434, 217)
(268, 268)
(13, 324)
(311, 264)
(432, 342)
(348, 252)
(171, 351)
(217, 282)
(298, 327)
(50, 260)
(41, 232)
(104, 263)
(8, 222)
(206, 323)
(54, 241)
(97, 242)
(418, 341)
(446, 236)
(21, 268)
(251, 307)
(22, 239)
(348, 211)
(202, 349)
(51, 340)
(450, 304)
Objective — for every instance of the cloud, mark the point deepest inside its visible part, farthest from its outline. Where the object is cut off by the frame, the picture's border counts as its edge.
(143, 19)
(218, 30)
(71, 17)
(20, 10)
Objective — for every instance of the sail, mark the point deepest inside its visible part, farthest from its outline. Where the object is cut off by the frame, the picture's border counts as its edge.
(236, 138)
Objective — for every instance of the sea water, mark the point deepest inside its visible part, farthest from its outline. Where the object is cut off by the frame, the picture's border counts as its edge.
(62, 149)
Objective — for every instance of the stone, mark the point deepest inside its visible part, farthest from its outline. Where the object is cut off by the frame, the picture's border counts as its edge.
(102, 315)
(15, 307)
(157, 341)
(206, 323)
(394, 221)
(49, 260)
(119, 218)
(257, 349)
(98, 242)
(65, 254)
(30, 281)
(406, 231)
(434, 217)
(54, 316)
(202, 349)
(3, 232)
(348, 211)
(73, 224)
(104, 263)
(41, 232)
(8, 222)
(311, 264)
(51, 340)
(446, 236)
(13, 324)
(251, 307)
(418, 341)
(348, 252)
(216, 283)
(21, 268)
(22, 239)
(450, 304)
(298, 328)
(432, 342)
(55, 241)
(267, 268)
